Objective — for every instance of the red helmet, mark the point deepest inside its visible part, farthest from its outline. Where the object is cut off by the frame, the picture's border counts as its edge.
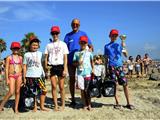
(15, 45)
(113, 32)
(83, 38)
(55, 29)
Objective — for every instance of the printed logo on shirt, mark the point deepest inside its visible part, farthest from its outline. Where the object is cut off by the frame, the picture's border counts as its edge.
(31, 63)
(71, 40)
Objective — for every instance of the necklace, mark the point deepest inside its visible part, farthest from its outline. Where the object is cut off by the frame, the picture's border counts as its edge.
(34, 57)
(15, 62)
(56, 49)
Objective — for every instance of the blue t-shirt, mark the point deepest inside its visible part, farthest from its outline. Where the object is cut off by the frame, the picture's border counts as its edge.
(72, 41)
(85, 69)
(113, 51)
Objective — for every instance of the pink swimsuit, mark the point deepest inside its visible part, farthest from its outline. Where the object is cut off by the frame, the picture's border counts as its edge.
(16, 75)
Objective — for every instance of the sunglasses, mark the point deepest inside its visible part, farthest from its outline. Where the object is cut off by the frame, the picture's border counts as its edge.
(54, 33)
(83, 42)
(75, 24)
(15, 48)
(115, 35)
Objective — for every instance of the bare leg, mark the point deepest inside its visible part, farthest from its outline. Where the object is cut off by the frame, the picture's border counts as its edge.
(35, 105)
(116, 96)
(54, 91)
(42, 100)
(126, 93)
(9, 94)
(62, 91)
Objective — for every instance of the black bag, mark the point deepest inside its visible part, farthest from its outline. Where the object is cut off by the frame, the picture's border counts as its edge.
(95, 87)
(109, 88)
(27, 98)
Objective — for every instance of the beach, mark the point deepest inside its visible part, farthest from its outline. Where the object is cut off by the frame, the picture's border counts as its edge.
(144, 96)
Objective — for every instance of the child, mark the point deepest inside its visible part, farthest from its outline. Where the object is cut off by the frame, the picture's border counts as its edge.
(56, 57)
(113, 53)
(130, 62)
(99, 72)
(83, 59)
(13, 75)
(33, 72)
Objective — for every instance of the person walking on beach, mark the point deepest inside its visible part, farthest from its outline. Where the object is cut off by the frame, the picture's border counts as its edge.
(56, 57)
(33, 72)
(13, 72)
(112, 53)
(72, 41)
(83, 60)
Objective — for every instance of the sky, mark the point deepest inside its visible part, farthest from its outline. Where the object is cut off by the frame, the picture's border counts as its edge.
(138, 20)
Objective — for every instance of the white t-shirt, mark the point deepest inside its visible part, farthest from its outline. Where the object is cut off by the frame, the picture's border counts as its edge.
(33, 60)
(56, 51)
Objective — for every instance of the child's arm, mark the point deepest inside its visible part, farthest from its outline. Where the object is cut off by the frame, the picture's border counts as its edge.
(46, 62)
(65, 65)
(6, 70)
(24, 73)
(125, 53)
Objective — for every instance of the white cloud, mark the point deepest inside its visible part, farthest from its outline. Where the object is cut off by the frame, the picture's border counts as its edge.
(3, 9)
(149, 47)
(24, 11)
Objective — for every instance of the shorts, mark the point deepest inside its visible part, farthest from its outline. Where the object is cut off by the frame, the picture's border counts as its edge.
(57, 70)
(36, 85)
(117, 74)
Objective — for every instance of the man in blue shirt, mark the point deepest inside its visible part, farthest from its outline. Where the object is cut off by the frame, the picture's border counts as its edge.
(112, 52)
(72, 41)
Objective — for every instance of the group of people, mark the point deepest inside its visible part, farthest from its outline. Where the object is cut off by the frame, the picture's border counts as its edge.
(74, 55)
(140, 65)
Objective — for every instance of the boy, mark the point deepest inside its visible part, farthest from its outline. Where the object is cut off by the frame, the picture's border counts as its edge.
(112, 52)
(83, 60)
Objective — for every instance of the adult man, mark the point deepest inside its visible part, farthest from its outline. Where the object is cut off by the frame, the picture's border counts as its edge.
(72, 41)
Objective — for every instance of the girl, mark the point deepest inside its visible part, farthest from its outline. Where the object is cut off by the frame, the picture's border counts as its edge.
(13, 75)
(130, 62)
(33, 73)
(56, 57)
(138, 65)
(83, 60)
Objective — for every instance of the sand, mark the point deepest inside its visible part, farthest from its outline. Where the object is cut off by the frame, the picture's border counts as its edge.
(144, 94)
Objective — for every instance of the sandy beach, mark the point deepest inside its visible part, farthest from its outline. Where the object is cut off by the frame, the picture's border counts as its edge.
(144, 96)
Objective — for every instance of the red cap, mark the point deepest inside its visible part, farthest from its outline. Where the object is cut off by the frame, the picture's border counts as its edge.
(113, 32)
(55, 29)
(15, 45)
(83, 38)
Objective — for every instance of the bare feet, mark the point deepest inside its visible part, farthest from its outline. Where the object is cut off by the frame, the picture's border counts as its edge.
(62, 108)
(85, 108)
(1, 109)
(44, 109)
(56, 108)
(90, 108)
(16, 112)
(35, 109)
